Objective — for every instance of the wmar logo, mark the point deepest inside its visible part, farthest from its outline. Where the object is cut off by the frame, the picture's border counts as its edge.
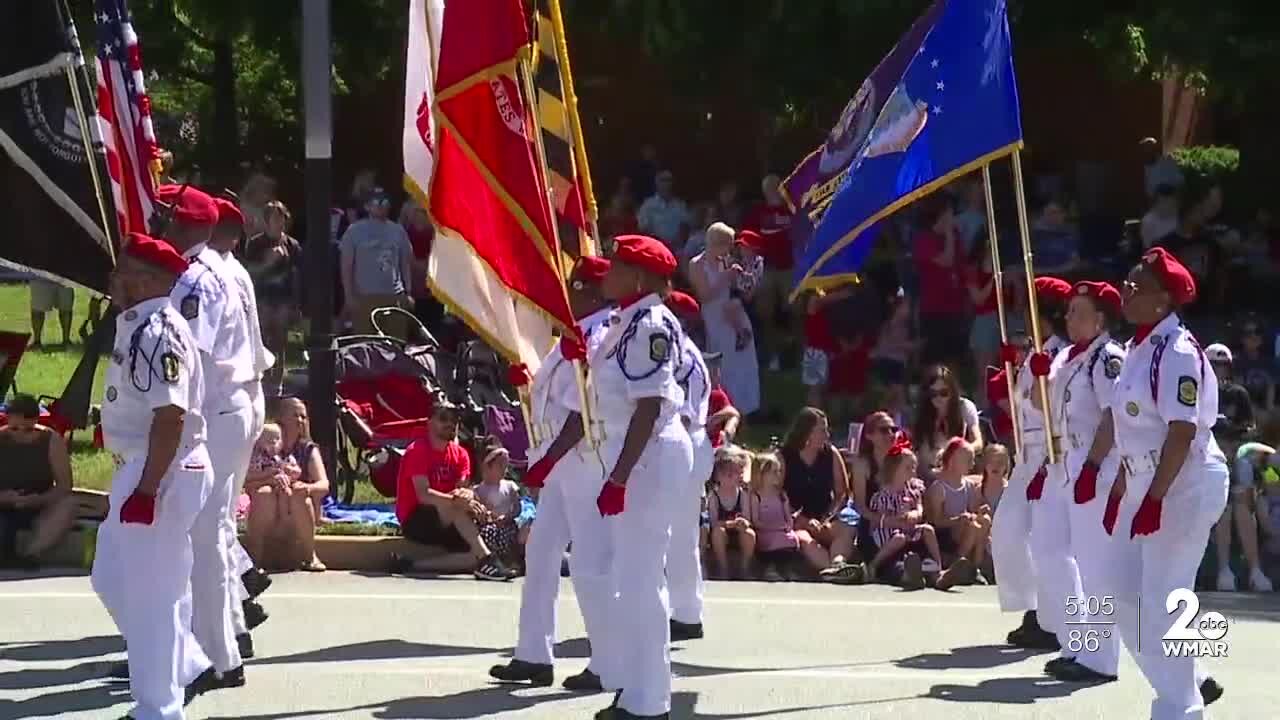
(1192, 634)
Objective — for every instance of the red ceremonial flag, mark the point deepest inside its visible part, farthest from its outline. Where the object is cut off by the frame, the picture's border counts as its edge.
(495, 257)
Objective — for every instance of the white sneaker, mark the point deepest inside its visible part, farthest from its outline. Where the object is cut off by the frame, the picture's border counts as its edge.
(930, 566)
(1259, 582)
(1226, 580)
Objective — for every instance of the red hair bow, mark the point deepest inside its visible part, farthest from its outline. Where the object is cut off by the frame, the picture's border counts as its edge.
(901, 445)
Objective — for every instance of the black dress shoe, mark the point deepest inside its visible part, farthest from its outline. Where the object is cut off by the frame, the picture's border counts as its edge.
(617, 713)
(1210, 691)
(233, 678)
(118, 670)
(1034, 639)
(206, 681)
(254, 614)
(521, 671)
(585, 681)
(256, 581)
(1053, 666)
(685, 631)
(244, 641)
(1074, 672)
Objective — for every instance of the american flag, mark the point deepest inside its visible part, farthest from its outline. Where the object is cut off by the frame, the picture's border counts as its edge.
(124, 116)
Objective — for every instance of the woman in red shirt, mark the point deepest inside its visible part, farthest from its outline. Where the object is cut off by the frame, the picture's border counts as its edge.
(984, 334)
(944, 304)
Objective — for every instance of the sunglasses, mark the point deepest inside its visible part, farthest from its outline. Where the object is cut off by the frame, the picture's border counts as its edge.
(886, 430)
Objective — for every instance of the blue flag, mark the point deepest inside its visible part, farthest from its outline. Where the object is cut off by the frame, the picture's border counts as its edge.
(944, 103)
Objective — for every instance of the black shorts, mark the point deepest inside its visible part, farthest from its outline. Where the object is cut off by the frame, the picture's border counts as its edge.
(946, 540)
(12, 521)
(426, 528)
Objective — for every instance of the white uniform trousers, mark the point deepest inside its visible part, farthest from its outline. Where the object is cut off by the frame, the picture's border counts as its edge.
(567, 515)
(142, 572)
(1152, 566)
(241, 563)
(1011, 538)
(1091, 546)
(639, 631)
(1057, 575)
(214, 593)
(684, 562)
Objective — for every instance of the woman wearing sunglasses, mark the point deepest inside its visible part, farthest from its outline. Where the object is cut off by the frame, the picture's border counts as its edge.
(943, 414)
(1172, 486)
(1011, 527)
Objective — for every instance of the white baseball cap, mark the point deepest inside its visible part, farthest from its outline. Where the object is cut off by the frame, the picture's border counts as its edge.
(1218, 352)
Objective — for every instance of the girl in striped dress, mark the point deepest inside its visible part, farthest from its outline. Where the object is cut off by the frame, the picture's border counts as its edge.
(900, 501)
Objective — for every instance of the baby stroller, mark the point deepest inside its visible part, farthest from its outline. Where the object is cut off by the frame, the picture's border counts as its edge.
(386, 389)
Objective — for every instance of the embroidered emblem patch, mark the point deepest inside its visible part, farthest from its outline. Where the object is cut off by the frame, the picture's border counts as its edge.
(1112, 368)
(190, 307)
(1132, 408)
(170, 366)
(130, 316)
(1188, 390)
(659, 347)
(112, 394)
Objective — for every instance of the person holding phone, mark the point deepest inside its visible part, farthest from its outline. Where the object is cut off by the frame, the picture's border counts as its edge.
(817, 484)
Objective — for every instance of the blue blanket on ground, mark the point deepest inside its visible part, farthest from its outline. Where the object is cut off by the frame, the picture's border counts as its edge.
(384, 515)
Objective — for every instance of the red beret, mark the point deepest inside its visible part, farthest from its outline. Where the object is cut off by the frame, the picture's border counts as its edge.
(156, 253)
(645, 253)
(1174, 276)
(750, 239)
(1102, 293)
(1052, 289)
(190, 205)
(589, 269)
(683, 304)
(228, 212)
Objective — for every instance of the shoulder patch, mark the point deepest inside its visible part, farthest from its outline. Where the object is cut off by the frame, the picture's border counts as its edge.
(659, 347)
(1188, 390)
(190, 306)
(170, 367)
(1112, 367)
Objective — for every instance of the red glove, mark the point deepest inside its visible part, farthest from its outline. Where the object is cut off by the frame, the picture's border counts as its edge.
(572, 349)
(1008, 354)
(1112, 512)
(1036, 488)
(536, 475)
(518, 375)
(1087, 483)
(139, 509)
(1040, 363)
(612, 499)
(1147, 519)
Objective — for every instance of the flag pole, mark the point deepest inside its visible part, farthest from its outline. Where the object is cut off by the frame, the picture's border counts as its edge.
(997, 276)
(581, 167)
(1032, 306)
(86, 136)
(579, 372)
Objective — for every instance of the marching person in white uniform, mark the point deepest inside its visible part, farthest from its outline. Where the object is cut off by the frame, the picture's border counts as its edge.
(1080, 396)
(1011, 526)
(684, 561)
(226, 238)
(649, 457)
(568, 471)
(1172, 485)
(206, 297)
(152, 424)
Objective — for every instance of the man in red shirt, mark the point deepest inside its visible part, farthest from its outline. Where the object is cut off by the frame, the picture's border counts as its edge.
(772, 219)
(435, 505)
(944, 303)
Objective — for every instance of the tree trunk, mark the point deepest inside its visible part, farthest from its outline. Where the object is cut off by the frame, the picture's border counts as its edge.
(225, 155)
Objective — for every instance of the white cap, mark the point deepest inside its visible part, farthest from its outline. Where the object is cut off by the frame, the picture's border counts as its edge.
(1218, 352)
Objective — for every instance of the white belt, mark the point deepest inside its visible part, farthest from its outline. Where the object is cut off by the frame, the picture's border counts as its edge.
(1141, 464)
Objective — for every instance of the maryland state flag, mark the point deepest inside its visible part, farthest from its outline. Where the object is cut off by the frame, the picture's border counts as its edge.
(495, 260)
(567, 170)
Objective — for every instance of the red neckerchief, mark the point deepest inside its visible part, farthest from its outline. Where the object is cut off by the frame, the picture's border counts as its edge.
(630, 300)
(1141, 333)
(1079, 348)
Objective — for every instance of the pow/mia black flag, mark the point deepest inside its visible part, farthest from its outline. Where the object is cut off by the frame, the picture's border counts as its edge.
(52, 220)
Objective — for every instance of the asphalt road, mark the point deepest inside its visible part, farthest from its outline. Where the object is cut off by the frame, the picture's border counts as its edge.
(346, 646)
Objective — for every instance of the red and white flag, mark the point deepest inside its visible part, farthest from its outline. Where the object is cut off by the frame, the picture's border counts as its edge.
(426, 18)
(124, 116)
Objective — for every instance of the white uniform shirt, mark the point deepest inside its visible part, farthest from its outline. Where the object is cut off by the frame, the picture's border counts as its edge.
(1081, 389)
(695, 381)
(1165, 379)
(262, 357)
(554, 390)
(206, 297)
(1030, 417)
(638, 358)
(153, 364)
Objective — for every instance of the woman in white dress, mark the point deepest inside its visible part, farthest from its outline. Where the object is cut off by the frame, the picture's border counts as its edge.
(712, 274)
